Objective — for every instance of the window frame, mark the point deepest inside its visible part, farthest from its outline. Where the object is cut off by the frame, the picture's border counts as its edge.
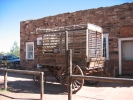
(106, 36)
(38, 39)
(27, 44)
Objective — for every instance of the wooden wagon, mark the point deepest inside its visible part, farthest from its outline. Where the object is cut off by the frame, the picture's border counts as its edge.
(85, 41)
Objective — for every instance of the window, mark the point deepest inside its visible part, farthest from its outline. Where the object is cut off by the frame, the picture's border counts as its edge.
(127, 50)
(30, 50)
(39, 41)
(106, 45)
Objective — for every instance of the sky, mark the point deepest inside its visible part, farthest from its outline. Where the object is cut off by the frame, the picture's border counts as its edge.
(12, 12)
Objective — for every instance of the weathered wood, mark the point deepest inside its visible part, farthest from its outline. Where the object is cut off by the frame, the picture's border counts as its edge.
(96, 62)
(5, 80)
(87, 41)
(83, 43)
(24, 72)
(61, 60)
(63, 29)
(66, 48)
(21, 71)
(42, 86)
(79, 42)
(56, 43)
(69, 61)
(104, 79)
(69, 28)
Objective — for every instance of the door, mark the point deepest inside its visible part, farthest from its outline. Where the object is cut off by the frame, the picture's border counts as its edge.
(127, 57)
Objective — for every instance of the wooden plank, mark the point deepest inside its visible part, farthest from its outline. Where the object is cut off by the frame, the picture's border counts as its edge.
(51, 42)
(52, 45)
(21, 71)
(104, 79)
(42, 86)
(5, 80)
(69, 66)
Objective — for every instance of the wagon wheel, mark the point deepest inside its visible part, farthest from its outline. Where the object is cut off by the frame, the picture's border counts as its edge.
(63, 74)
(36, 78)
(57, 68)
(76, 83)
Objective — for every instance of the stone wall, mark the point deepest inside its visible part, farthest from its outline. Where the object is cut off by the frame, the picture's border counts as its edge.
(111, 19)
(126, 31)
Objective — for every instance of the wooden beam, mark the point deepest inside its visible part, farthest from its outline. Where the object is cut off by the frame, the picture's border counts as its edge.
(21, 71)
(24, 72)
(104, 79)
(5, 80)
(42, 86)
(59, 31)
(69, 53)
(66, 48)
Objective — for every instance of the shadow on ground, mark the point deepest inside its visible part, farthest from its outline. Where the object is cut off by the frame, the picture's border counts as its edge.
(17, 75)
(31, 87)
(9, 97)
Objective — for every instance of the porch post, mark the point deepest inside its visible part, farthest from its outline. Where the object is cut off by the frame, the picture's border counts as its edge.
(119, 48)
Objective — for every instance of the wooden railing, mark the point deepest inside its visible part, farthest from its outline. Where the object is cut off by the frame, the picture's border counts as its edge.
(95, 78)
(24, 72)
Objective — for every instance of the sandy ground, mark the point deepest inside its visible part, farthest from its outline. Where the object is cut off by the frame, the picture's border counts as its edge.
(22, 87)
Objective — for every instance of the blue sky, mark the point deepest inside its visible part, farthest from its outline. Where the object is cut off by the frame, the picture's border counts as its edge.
(12, 12)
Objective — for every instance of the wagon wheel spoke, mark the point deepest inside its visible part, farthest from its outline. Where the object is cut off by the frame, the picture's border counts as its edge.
(73, 67)
(73, 87)
(76, 72)
(76, 83)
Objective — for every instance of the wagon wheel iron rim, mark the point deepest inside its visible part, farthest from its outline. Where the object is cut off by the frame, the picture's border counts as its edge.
(76, 83)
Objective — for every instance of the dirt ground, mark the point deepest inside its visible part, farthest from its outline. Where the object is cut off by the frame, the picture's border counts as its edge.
(22, 87)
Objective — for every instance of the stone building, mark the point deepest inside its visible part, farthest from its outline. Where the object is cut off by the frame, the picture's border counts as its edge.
(117, 24)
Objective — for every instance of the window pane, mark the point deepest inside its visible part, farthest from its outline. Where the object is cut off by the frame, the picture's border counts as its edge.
(30, 54)
(29, 50)
(30, 47)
